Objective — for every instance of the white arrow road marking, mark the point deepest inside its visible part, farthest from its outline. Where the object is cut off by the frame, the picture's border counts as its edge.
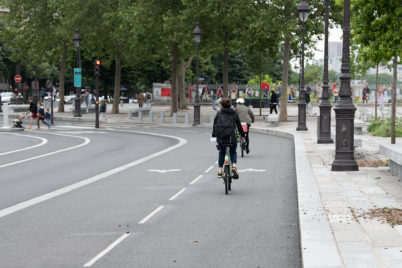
(72, 187)
(163, 170)
(106, 250)
(252, 170)
(44, 141)
(52, 153)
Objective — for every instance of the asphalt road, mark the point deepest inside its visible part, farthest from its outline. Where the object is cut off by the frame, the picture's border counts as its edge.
(143, 196)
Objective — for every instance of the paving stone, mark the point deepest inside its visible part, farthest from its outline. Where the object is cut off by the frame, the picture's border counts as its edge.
(361, 259)
(381, 234)
(390, 254)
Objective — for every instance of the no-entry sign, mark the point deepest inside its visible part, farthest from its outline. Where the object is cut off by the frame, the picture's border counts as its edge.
(18, 78)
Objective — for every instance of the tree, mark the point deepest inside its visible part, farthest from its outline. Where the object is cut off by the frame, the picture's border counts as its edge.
(376, 28)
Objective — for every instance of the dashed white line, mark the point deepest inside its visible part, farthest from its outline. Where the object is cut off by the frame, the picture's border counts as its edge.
(44, 141)
(106, 250)
(211, 167)
(144, 220)
(177, 194)
(196, 179)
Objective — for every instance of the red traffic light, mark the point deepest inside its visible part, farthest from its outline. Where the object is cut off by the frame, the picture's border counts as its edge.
(98, 62)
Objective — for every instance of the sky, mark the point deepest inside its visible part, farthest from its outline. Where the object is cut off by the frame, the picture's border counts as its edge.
(334, 35)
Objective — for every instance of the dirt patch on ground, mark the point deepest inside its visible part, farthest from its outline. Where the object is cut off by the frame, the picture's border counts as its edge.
(373, 163)
(391, 215)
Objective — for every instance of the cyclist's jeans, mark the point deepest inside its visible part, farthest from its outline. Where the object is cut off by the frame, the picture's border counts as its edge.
(222, 152)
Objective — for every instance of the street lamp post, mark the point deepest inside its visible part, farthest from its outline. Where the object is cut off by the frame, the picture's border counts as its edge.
(197, 33)
(304, 11)
(77, 111)
(324, 133)
(345, 110)
(1, 46)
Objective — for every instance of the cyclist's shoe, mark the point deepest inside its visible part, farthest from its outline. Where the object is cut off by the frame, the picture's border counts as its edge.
(235, 174)
(247, 150)
(219, 175)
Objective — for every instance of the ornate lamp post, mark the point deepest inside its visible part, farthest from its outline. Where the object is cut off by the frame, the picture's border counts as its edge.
(304, 11)
(1, 46)
(197, 33)
(345, 110)
(324, 133)
(77, 102)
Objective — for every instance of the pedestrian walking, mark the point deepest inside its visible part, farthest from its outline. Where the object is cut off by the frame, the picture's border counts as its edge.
(213, 97)
(336, 95)
(102, 110)
(86, 98)
(366, 92)
(48, 118)
(41, 114)
(140, 99)
(148, 97)
(273, 102)
(33, 109)
(42, 94)
(233, 93)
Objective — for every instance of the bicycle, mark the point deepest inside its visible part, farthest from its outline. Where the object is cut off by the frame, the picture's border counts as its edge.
(242, 141)
(227, 170)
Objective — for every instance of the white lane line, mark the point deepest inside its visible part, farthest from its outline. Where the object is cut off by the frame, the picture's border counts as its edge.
(86, 141)
(144, 220)
(211, 167)
(69, 188)
(177, 194)
(106, 250)
(44, 141)
(163, 170)
(196, 179)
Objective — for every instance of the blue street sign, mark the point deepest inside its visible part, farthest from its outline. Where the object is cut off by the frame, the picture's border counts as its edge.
(77, 77)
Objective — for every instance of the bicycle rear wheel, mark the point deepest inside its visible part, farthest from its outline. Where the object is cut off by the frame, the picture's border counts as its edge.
(227, 179)
(243, 147)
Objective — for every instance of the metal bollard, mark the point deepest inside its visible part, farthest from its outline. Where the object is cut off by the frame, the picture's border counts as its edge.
(174, 118)
(186, 118)
(140, 116)
(151, 117)
(162, 117)
(130, 115)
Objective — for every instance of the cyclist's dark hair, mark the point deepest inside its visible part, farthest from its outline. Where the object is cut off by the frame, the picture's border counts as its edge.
(226, 103)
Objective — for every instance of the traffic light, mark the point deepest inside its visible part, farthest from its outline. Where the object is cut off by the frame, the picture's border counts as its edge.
(98, 64)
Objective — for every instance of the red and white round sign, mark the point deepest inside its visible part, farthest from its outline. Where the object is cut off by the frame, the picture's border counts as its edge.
(18, 78)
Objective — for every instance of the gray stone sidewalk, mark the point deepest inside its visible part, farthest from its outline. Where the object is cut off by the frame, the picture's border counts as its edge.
(335, 232)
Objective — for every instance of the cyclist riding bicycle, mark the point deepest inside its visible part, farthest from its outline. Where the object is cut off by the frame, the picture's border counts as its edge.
(224, 129)
(247, 116)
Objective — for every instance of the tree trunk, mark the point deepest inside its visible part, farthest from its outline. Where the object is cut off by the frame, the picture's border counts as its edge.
(117, 79)
(283, 116)
(225, 71)
(184, 65)
(376, 92)
(174, 69)
(394, 100)
(62, 77)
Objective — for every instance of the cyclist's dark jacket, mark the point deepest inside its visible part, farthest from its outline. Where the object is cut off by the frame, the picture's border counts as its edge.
(236, 120)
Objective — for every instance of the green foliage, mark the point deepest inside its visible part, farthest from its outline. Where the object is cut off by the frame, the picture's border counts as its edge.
(382, 127)
(265, 78)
